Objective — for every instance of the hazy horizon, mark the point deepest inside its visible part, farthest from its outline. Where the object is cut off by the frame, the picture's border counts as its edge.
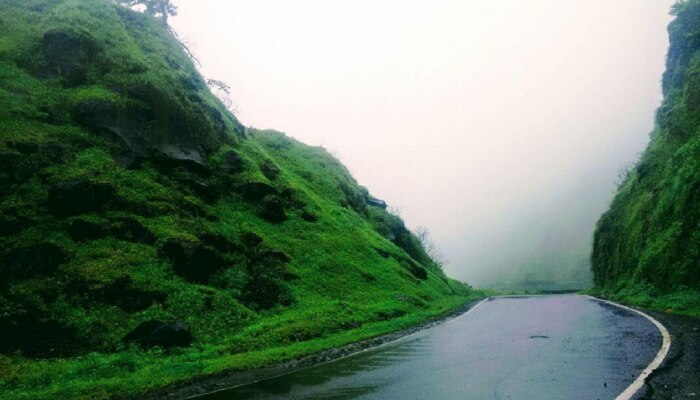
(499, 126)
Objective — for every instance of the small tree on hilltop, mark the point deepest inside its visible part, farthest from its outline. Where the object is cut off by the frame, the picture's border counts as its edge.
(160, 9)
(157, 8)
(429, 246)
(223, 91)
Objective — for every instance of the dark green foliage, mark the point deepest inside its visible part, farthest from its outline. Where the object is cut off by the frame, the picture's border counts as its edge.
(650, 237)
(129, 194)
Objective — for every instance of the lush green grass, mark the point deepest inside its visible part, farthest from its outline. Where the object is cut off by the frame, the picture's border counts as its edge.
(685, 301)
(297, 260)
(647, 245)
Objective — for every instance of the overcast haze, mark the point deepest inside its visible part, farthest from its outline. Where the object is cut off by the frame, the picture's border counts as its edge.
(498, 125)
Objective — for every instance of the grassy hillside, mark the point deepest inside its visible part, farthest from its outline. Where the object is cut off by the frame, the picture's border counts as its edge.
(129, 194)
(647, 246)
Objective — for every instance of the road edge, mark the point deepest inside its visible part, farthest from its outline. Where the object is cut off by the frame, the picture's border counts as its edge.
(202, 385)
(471, 308)
(638, 383)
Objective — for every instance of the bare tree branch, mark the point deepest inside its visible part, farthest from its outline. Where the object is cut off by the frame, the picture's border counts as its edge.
(429, 246)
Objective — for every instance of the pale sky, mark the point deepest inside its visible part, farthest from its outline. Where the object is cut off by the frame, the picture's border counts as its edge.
(498, 125)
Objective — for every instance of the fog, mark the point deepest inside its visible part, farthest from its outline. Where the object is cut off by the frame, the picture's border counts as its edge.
(501, 126)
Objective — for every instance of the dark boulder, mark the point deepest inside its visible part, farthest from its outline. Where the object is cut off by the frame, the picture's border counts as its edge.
(135, 133)
(26, 148)
(251, 239)
(12, 224)
(272, 210)
(123, 294)
(382, 252)
(220, 243)
(24, 169)
(375, 202)
(267, 276)
(27, 262)
(79, 197)
(120, 127)
(132, 230)
(171, 156)
(232, 162)
(68, 56)
(415, 269)
(256, 191)
(265, 287)
(188, 207)
(32, 334)
(8, 159)
(154, 333)
(192, 260)
(208, 193)
(270, 170)
(289, 276)
(179, 250)
(29, 159)
(53, 152)
(81, 230)
(277, 255)
(309, 216)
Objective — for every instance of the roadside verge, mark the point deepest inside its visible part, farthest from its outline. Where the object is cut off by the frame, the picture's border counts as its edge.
(231, 379)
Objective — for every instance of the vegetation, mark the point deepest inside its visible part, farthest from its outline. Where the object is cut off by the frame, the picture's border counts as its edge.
(159, 8)
(547, 274)
(647, 245)
(129, 194)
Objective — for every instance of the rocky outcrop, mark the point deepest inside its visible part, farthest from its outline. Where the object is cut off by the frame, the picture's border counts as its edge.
(373, 201)
(67, 56)
(131, 230)
(81, 230)
(27, 262)
(154, 333)
(125, 294)
(270, 170)
(232, 162)
(79, 197)
(150, 119)
(32, 334)
(193, 261)
(272, 209)
(256, 191)
(308, 216)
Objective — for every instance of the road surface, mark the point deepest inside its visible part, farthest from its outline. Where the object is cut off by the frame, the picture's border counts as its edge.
(540, 347)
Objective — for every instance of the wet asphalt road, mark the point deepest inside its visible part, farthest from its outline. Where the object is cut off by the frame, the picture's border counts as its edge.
(541, 347)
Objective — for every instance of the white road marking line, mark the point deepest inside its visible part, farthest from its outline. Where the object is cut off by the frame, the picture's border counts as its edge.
(660, 356)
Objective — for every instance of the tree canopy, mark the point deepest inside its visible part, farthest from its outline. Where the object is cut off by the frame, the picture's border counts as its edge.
(158, 8)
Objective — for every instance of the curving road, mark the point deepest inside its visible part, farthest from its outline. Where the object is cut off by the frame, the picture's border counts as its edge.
(539, 347)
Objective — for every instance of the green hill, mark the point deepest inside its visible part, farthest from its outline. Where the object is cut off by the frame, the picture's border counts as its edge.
(131, 199)
(647, 245)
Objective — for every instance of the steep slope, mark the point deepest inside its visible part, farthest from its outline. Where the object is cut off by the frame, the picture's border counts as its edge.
(131, 199)
(647, 246)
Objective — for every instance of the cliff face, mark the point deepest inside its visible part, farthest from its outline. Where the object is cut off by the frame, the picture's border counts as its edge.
(130, 197)
(650, 236)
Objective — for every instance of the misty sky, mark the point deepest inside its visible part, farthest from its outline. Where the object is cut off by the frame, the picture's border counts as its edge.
(499, 125)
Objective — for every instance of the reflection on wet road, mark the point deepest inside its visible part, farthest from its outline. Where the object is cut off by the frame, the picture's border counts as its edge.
(542, 347)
